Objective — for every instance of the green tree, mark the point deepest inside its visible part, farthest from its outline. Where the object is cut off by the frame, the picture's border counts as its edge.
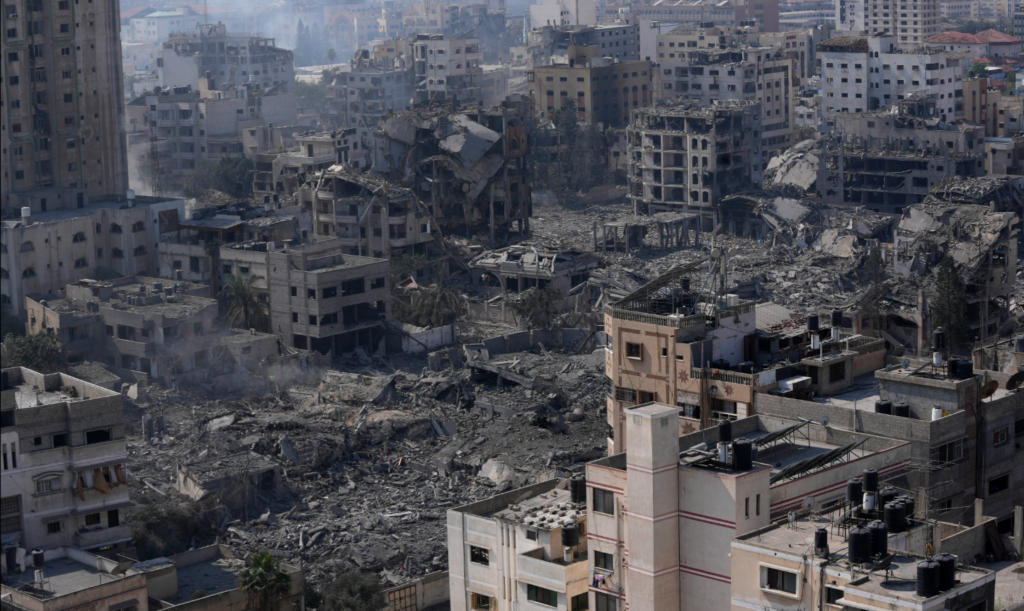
(949, 305)
(242, 305)
(163, 529)
(264, 583)
(311, 96)
(978, 70)
(434, 306)
(353, 592)
(42, 352)
(537, 308)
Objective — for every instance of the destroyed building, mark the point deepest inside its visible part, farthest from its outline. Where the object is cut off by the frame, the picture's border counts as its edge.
(369, 216)
(685, 157)
(515, 269)
(468, 167)
(983, 245)
(886, 160)
(379, 81)
(323, 300)
(447, 69)
(144, 328)
(64, 464)
(225, 58)
(279, 175)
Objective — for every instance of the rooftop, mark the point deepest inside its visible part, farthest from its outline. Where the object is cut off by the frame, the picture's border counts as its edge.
(61, 214)
(546, 511)
(62, 577)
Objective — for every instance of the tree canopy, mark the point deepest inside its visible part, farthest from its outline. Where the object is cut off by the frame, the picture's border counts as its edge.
(42, 352)
(243, 307)
(264, 583)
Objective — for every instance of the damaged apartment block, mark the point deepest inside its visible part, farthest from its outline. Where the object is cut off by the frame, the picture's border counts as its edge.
(467, 167)
(64, 461)
(685, 157)
(885, 161)
(518, 268)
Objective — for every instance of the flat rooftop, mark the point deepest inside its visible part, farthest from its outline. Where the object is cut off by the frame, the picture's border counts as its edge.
(860, 395)
(63, 576)
(29, 396)
(798, 537)
(61, 214)
(207, 576)
(545, 511)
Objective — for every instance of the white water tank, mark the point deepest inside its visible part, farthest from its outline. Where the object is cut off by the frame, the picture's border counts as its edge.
(26, 215)
(936, 413)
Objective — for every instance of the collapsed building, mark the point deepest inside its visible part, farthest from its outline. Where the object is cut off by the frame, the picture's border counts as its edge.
(468, 167)
(888, 160)
(686, 157)
(983, 246)
(517, 268)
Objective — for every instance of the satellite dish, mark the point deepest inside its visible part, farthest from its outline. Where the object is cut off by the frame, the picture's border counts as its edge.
(122, 567)
(733, 251)
(989, 389)
(824, 421)
(716, 253)
(1015, 380)
(884, 563)
(809, 503)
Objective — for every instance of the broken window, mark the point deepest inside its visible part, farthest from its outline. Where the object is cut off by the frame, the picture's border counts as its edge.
(97, 436)
(479, 555)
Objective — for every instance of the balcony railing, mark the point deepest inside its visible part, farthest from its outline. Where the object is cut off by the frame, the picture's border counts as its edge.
(103, 536)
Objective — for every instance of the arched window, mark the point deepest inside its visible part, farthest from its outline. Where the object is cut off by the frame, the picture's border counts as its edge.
(139, 226)
(117, 253)
(28, 273)
(27, 247)
(79, 264)
(79, 237)
(139, 251)
(3, 274)
(115, 228)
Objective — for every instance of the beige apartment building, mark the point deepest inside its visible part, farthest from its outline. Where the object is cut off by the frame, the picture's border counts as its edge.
(62, 125)
(64, 464)
(62, 239)
(597, 89)
(447, 68)
(911, 21)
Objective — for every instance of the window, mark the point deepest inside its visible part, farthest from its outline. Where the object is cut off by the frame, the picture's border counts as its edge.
(81, 263)
(944, 506)
(999, 484)
(92, 519)
(479, 555)
(115, 228)
(625, 394)
(832, 595)
(604, 561)
(605, 602)
(139, 226)
(757, 505)
(330, 292)
(47, 485)
(837, 372)
(580, 602)
(604, 501)
(97, 436)
(310, 293)
(948, 452)
(1000, 436)
(295, 317)
(531, 535)
(60, 440)
(117, 253)
(79, 237)
(778, 580)
(139, 251)
(295, 291)
(54, 528)
(28, 273)
(541, 595)
(634, 351)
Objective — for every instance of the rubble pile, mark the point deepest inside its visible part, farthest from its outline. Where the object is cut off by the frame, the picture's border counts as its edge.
(369, 462)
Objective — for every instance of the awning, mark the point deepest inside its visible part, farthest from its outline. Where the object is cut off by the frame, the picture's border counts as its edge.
(78, 511)
(98, 465)
(123, 604)
(54, 518)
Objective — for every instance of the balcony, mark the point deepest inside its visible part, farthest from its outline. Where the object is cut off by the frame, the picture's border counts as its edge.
(103, 536)
(531, 567)
(133, 348)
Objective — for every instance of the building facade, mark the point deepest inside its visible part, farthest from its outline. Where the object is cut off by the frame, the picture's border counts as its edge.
(64, 463)
(212, 52)
(62, 125)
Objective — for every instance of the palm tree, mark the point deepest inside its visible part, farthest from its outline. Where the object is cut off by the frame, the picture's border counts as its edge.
(436, 305)
(244, 308)
(264, 584)
(331, 55)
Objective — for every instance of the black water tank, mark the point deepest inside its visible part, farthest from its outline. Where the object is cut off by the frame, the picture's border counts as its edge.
(725, 431)
(741, 455)
(886, 496)
(854, 492)
(901, 410)
(860, 545)
(812, 322)
(947, 571)
(821, 541)
(570, 536)
(939, 340)
(870, 478)
(578, 489)
(883, 407)
(909, 503)
(38, 558)
(721, 364)
(746, 367)
(951, 368)
(927, 578)
(895, 515)
(879, 537)
(753, 451)
(684, 283)
(837, 318)
(964, 370)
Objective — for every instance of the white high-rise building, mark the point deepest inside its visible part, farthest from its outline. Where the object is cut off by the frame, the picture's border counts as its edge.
(910, 21)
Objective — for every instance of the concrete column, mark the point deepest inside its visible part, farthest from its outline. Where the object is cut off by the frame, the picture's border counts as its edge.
(1018, 529)
(652, 521)
(979, 511)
